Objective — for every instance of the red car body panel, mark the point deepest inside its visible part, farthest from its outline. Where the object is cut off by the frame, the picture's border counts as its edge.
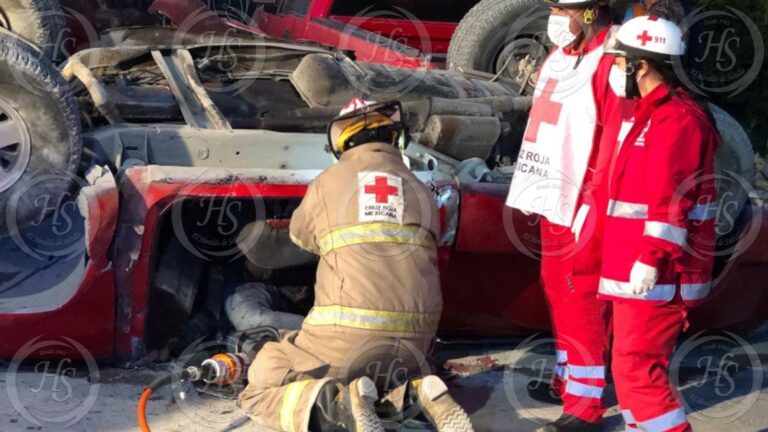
(147, 198)
(393, 42)
(426, 36)
(89, 316)
(297, 28)
(490, 285)
(469, 272)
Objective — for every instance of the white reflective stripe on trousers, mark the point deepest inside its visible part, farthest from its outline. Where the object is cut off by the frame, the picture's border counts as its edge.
(694, 292)
(629, 420)
(667, 232)
(613, 288)
(627, 210)
(662, 292)
(664, 422)
(582, 390)
(586, 372)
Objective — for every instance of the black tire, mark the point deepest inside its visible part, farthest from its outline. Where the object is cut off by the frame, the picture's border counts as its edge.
(47, 117)
(490, 26)
(734, 168)
(482, 40)
(40, 22)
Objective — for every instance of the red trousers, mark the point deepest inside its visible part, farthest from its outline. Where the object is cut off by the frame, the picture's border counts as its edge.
(580, 321)
(644, 336)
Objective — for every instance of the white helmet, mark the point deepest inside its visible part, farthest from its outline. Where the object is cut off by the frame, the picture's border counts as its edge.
(570, 3)
(646, 36)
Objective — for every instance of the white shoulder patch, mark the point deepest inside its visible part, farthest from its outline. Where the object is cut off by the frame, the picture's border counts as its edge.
(380, 197)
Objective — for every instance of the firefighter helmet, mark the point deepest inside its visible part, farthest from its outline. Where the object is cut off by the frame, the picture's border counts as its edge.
(362, 122)
(646, 37)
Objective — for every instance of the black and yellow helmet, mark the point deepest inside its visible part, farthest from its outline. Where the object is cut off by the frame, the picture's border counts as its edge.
(362, 122)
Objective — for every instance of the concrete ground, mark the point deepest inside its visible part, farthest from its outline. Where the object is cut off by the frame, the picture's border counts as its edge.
(724, 382)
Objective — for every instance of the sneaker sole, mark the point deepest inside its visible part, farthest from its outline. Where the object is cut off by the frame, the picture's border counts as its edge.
(453, 420)
(364, 413)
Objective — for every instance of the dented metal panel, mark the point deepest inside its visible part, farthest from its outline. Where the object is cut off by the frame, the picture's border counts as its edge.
(74, 297)
(178, 145)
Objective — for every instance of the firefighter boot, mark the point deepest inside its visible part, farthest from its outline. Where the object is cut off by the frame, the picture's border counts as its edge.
(569, 423)
(349, 408)
(439, 407)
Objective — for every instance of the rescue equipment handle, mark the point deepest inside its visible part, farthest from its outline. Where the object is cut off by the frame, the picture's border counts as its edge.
(221, 369)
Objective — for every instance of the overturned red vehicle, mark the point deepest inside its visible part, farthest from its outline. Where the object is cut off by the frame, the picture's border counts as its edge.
(181, 146)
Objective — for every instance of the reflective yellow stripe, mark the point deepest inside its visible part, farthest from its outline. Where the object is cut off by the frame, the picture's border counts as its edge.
(291, 400)
(375, 233)
(366, 319)
(298, 243)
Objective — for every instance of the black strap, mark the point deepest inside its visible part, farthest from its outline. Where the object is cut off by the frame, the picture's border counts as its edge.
(385, 134)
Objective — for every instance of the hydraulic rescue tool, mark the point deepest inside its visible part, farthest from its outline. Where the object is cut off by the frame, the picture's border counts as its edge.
(222, 370)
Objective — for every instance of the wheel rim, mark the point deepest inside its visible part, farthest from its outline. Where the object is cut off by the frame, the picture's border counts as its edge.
(14, 146)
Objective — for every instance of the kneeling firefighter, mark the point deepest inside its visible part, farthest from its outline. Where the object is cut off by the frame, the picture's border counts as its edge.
(377, 295)
(660, 228)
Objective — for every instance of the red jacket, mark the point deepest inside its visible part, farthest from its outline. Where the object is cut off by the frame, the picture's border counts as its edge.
(663, 201)
(614, 114)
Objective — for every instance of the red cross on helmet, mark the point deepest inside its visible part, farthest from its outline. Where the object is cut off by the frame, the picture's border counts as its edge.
(646, 37)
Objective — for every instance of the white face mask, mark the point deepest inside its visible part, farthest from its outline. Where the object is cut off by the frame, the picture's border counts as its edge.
(559, 30)
(618, 81)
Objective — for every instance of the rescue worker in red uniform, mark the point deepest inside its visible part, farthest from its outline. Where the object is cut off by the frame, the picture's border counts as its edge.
(660, 230)
(377, 292)
(572, 132)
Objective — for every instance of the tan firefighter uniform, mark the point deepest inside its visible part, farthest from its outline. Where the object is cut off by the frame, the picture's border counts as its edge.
(377, 295)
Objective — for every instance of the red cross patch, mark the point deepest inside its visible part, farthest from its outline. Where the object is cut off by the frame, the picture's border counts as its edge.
(544, 110)
(381, 189)
(380, 197)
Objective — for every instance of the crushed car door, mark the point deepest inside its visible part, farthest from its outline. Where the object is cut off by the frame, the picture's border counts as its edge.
(56, 278)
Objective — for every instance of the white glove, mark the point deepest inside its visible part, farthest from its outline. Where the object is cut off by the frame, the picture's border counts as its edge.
(643, 278)
(579, 221)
